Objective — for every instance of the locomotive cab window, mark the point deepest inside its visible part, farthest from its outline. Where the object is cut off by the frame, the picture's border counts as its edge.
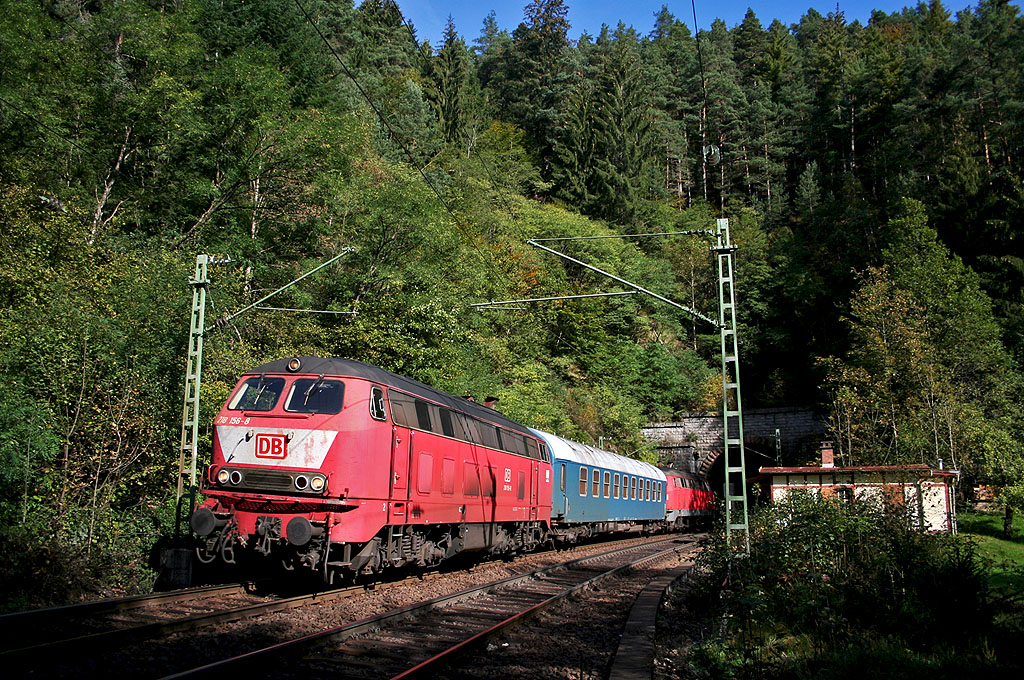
(315, 395)
(257, 394)
(378, 410)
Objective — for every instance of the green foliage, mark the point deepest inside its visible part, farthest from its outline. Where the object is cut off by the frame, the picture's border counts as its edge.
(134, 135)
(830, 590)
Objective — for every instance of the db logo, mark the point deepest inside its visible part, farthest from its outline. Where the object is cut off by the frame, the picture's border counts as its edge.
(271, 446)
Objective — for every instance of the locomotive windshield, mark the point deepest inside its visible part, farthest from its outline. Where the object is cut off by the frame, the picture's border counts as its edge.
(315, 395)
(257, 394)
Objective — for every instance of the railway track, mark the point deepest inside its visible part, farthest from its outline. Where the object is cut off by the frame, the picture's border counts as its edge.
(28, 637)
(419, 640)
(152, 636)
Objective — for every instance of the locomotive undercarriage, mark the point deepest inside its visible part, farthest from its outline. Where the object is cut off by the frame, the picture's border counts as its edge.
(425, 546)
(307, 545)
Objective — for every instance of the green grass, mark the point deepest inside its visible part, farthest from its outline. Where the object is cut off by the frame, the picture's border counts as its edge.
(1006, 556)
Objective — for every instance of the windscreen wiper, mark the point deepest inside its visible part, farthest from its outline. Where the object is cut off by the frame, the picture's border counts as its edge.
(313, 389)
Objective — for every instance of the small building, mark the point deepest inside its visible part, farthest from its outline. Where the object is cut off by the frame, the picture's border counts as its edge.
(926, 492)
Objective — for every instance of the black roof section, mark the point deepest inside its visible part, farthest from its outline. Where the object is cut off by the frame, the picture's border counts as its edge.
(358, 369)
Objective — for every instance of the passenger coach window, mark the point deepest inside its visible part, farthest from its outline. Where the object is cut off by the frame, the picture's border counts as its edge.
(377, 409)
(257, 394)
(583, 481)
(561, 478)
(596, 490)
(615, 485)
(315, 395)
(632, 488)
(607, 484)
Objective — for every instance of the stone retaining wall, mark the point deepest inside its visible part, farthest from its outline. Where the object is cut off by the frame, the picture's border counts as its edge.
(695, 441)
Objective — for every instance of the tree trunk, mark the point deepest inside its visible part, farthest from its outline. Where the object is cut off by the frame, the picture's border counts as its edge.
(1008, 523)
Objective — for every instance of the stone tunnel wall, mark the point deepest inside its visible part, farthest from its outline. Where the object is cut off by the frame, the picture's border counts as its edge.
(801, 431)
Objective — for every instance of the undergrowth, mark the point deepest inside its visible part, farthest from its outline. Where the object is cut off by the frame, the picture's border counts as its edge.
(835, 591)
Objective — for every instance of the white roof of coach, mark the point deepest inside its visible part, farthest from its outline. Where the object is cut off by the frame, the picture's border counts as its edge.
(566, 449)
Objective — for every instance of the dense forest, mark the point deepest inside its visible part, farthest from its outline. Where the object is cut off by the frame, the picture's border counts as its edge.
(873, 176)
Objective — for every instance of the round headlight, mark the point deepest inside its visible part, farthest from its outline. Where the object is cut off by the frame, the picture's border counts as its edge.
(301, 482)
(222, 476)
(236, 477)
(294, 364)
(317, 483)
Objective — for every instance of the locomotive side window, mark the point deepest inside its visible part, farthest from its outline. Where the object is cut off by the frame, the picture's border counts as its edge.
(583, 481)
(470, 426)
(315, 395)
(447, 429)
(422, 415)
(378, 410)
(257, 394)
(521, 491)
(596, 484)
(511, 442)
(460, 426)
(488, 435)
(402, 411)
(607, 484)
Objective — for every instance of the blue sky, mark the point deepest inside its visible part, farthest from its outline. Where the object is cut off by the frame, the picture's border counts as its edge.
(430, 16)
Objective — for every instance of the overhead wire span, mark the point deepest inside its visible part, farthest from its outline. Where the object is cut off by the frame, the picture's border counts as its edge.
(548, 299)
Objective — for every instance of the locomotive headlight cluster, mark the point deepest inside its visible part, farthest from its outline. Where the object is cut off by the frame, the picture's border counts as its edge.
(315, 483)
(269, 480)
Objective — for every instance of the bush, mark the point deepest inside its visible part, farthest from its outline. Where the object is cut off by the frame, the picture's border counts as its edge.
(832, 590)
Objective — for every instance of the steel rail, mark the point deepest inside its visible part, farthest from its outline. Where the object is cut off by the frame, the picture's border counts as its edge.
(31, 616)
(156, 629)
(431, 666)
(372, 623)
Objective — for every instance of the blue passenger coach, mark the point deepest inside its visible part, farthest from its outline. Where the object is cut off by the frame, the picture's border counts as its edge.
(597, 491)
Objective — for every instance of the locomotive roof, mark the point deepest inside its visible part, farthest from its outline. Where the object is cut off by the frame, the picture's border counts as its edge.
(352, 368)
(682, 473)
(563, 449)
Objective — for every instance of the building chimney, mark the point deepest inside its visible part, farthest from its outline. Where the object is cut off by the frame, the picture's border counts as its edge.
(828, 458)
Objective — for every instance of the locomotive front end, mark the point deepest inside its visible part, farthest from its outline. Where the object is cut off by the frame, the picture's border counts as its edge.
(273, 487)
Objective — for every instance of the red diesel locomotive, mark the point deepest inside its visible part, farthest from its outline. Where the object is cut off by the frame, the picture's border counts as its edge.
(337, 465)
